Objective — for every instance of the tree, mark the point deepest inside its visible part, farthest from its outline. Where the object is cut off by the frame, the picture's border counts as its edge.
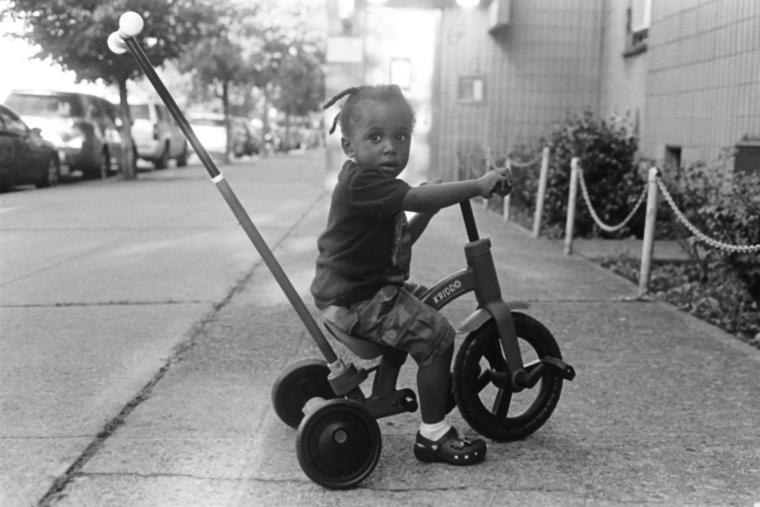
(287, 68)
(217, 64)
(73, 33)
(265, 51)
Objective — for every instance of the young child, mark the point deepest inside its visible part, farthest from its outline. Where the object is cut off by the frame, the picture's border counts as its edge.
(363, 264)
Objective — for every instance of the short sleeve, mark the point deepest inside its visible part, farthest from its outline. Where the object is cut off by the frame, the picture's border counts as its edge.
(375, 193)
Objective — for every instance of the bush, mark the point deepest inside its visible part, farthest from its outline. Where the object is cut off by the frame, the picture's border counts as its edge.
(606, 150)
(725, 207)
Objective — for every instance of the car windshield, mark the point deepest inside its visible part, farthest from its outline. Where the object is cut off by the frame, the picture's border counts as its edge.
(139, 112)
(62, 106)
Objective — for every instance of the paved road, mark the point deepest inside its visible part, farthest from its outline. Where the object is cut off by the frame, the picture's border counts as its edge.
(664, 409)
(100, 281)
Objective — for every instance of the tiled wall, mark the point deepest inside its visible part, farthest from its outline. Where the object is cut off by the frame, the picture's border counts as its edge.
(703, 83)
(546, 63)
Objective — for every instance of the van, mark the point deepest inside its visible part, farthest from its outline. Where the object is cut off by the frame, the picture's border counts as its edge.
(83, 128)
(157, 137)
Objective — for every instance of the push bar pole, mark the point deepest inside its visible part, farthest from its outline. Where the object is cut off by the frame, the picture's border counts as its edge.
(229, 196)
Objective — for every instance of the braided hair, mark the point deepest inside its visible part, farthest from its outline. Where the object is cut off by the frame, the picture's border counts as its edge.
(348, 116)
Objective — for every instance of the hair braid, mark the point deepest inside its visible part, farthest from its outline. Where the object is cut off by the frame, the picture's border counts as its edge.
(336, 98)
(347, 115)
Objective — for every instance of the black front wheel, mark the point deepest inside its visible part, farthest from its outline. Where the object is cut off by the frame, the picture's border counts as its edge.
(482, 390)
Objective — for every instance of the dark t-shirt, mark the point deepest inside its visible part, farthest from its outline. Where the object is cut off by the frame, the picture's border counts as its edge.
(366, 244)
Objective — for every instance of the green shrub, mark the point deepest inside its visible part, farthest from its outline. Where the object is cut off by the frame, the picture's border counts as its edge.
(725, 207)
(606, 150)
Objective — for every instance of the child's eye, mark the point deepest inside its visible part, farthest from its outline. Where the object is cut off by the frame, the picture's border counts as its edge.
(375, 138)
(402, 137)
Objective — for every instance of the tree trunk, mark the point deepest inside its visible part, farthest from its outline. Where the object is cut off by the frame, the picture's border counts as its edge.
(128, 162)
(227, 121)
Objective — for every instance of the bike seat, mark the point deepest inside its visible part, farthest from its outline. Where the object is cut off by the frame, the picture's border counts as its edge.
(362, 348)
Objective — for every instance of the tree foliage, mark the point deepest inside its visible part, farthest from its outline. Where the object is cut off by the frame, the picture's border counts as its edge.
(265, 54)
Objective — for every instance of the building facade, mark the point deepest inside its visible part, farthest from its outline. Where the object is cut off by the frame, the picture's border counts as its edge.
(683, 74)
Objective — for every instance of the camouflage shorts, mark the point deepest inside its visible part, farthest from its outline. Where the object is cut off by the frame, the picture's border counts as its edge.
(395, 316)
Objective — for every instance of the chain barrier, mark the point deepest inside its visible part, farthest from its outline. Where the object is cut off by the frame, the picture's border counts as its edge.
(699, 235)
(592, 211)
(514, 164)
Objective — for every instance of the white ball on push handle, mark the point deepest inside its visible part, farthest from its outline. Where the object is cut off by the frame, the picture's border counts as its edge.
(130, 24)
(116, 44)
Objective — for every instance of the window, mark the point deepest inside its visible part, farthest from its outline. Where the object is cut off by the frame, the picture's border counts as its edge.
(637, 29)
(471, 89)
(13, 123)
(747, 158)
(672, 161)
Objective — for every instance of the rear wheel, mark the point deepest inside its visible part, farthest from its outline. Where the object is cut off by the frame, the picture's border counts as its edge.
(182, 159)
(101, 169)
(52, 174)
(163, 160)
(301, 381)
(338, 445)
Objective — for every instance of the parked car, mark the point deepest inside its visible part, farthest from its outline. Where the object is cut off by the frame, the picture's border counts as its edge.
(25, 157)
(84, 128)
(156, 135)
(245, 138)
(211, 132)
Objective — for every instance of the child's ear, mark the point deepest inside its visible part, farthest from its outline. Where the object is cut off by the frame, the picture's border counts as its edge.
(347, 148)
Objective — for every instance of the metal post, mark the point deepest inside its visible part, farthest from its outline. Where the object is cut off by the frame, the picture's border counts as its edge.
(489, 162)
(506, 203)
(537, 215)
(647, 247)
(571, 198)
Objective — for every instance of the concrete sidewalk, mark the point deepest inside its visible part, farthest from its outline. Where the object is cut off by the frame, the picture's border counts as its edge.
(664, 409)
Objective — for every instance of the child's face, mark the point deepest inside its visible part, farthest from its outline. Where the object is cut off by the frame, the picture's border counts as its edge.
(381, 136)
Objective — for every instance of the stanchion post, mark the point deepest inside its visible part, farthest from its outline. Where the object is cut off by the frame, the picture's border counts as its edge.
(506, 203)
(537, 215)
(647, 247)
(571, 198)
(489, 162)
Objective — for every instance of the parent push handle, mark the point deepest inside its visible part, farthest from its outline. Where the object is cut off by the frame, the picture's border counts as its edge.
(123, 40)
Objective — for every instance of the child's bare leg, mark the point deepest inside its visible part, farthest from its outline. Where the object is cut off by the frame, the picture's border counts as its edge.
(434, 386)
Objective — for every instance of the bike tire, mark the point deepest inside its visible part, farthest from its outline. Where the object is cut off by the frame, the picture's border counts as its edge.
(483, 403)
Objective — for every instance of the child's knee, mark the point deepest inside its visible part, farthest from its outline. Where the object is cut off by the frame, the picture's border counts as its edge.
(440, 348)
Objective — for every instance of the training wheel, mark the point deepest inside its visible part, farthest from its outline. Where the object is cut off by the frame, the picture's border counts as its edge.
(301, 381)
(338, 444)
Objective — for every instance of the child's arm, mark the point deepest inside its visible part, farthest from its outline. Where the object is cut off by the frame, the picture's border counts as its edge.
(417, 224)
(431, 198)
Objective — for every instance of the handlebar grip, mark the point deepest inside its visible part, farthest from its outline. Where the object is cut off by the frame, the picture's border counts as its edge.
(503, 188)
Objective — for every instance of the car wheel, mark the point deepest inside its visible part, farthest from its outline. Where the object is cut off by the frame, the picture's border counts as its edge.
(182, 159)
(101, 169)
(52, 174)
(163, 160)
